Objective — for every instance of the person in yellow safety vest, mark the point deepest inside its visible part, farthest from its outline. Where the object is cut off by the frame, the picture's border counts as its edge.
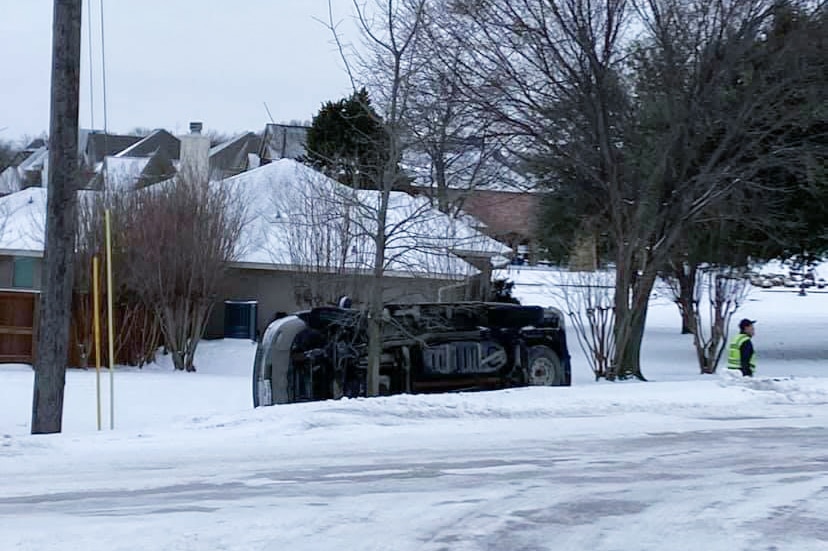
(741, 355)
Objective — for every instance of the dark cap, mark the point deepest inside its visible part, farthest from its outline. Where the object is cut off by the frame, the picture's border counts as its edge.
(746, 322)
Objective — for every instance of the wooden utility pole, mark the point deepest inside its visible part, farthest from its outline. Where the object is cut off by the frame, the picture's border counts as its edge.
(61, 220)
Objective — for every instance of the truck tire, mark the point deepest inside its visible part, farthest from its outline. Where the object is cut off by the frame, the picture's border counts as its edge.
(544, 367)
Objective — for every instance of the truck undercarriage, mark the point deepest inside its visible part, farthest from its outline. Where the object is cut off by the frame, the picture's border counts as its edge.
(322, 353)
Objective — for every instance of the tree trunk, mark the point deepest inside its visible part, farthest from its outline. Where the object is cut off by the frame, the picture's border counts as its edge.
(687, 286)
(632, 294)
(374, 351)
(628, 353)
(61, 219)
(375, 305)
(686, 277)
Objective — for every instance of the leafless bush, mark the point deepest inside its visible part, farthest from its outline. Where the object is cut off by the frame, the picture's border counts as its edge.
(588, 300)
(318, 239)
(178, 240)
(136, 335)
(718, 293)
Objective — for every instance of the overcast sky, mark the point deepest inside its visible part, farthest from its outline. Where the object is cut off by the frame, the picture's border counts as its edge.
(169, 62)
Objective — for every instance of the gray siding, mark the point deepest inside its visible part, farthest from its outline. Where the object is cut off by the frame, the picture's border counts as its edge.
(277, 291)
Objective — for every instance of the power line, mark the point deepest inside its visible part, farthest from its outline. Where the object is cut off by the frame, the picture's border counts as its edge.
(103, 67)
(91, 75)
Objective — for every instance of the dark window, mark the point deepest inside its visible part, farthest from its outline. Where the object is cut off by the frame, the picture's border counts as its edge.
(23, 276)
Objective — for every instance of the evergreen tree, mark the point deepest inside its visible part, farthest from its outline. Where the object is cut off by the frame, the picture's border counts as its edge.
(796, 172)
(345, 140)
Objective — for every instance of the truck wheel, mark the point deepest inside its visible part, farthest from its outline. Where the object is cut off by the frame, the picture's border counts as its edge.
(544, 368)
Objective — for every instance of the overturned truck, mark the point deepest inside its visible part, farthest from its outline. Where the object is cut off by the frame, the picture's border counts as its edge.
(322, 353)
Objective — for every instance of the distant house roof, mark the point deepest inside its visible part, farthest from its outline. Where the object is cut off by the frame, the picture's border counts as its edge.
(232, 157)
(505, 214)
(158, 141)
(28, 169)
(36, 160)
(300, 217)
(129, 173)
(288, 202)
(123, 173)
(100, 145)
(37, 143)
(24, 154)
(23, 233)
(283, 141)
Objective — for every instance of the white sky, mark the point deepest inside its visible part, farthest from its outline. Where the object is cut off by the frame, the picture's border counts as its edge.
(169, 62)
(684, 462)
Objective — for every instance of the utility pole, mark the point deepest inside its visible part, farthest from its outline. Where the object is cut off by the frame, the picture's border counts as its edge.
(61, 220)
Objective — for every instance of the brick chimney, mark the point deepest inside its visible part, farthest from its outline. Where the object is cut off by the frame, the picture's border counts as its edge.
(195, 154)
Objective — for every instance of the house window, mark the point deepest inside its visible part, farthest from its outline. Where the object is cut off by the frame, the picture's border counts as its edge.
(23, 276)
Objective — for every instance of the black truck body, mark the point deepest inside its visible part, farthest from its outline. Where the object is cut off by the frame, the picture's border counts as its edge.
(322, 353)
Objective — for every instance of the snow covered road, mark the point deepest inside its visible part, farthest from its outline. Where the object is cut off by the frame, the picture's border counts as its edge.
(439, 474)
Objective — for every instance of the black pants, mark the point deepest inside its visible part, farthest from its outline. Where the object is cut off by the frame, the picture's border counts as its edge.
(746, 371)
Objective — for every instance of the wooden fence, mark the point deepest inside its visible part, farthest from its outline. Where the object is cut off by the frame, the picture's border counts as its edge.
(136, 338)
(18, 320)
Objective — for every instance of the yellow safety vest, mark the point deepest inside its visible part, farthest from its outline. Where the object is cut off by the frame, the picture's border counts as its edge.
(734, 356)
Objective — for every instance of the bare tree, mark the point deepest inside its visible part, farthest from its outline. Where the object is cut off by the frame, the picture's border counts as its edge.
(179, 238)
(326, 231)
(312, 218)
(646, 133)
(390, 29)
(588, 300)
(136, 329)
(454, 147)
(721, 237)
(88, 244)
(718, 293)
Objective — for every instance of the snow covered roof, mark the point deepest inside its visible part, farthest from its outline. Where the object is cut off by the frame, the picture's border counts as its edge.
(297, 217)
(97, 145)
(36, 160)
(158, 140)
(300, 217)
(9, 180)
(123, 173)
(23, 221)
(24, 213)
(233, 156)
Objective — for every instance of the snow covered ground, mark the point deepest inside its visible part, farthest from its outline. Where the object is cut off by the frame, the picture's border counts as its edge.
(682, 462)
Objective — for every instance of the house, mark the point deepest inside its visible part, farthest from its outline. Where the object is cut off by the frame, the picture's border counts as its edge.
(235, 155)
(486, 188)
(95, 145)
(283, 141)
(309, 240)
(510, 216)
(20, 260)
(115, 161)
(292, 211)
(28, 168)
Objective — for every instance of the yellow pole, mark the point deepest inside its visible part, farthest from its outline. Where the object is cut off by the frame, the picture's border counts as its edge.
(97, 332)
(110, 323)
